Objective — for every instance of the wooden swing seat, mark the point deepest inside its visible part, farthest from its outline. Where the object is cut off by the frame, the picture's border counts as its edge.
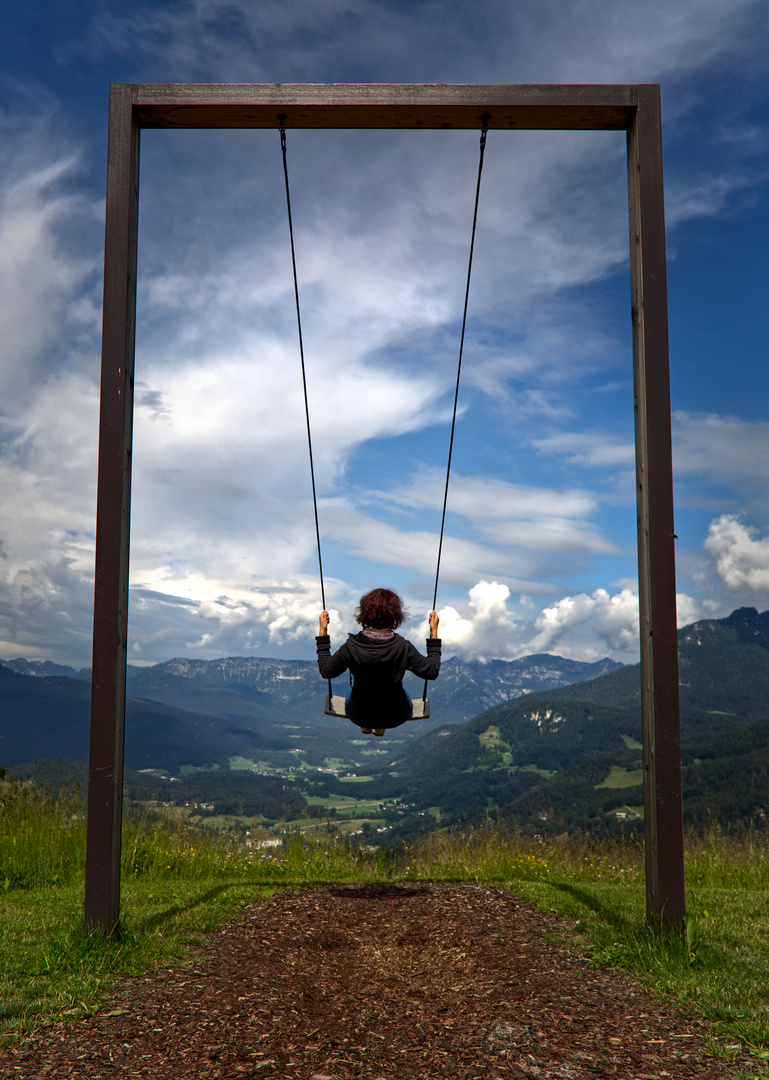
(336, 706)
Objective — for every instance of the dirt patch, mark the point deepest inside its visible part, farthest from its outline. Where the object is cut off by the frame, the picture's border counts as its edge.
(384, 982)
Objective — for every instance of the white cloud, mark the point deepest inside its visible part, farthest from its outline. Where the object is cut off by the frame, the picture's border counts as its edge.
(283, 618)
(483, 497)
(44, 309)
(725, 449)
(594, 449)
(462, 563)
(691, 609)
(740, 553)
(581, 627)
(48, 494)
(488, 630)
(612, 622)
(48, 475)
(221, 473)
(704, 197)
(589, 626)
(506, 514)
(266, 618)
(210, 40)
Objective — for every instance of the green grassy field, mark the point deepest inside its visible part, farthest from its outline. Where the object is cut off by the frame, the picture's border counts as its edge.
(179, 884)
(344, 803)
(622, 778)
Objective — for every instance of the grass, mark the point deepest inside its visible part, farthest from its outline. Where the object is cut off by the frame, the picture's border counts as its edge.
(622, 778)
(179, 885)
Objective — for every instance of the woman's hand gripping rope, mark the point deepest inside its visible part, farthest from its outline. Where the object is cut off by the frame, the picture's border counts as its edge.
(325, 618)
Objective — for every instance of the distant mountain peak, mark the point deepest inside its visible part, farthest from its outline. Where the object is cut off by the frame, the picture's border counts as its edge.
(746, 624)
(40, 669)
(230, 668)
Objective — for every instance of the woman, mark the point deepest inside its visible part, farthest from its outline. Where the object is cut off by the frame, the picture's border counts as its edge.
(377, 659)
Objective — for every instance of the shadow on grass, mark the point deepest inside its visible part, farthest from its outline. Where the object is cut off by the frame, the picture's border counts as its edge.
(608, 915)
(151, 922)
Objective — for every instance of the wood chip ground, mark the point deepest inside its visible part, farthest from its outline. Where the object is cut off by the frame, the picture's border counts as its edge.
(388, 982)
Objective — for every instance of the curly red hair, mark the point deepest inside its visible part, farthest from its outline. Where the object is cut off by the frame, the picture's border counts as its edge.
(381, 609)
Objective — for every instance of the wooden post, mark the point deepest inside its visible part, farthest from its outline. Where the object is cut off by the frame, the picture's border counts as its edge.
(105, 772)
(665, 897)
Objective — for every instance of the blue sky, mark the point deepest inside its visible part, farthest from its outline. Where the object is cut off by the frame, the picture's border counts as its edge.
(540, 550)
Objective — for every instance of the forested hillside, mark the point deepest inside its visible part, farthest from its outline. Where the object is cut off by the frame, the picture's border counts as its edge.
(584, 741)
(723, 674)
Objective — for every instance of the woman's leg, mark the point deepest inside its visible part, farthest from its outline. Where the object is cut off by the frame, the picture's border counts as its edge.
(365, 729)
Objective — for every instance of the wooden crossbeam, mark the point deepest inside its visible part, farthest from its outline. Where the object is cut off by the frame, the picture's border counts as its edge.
(383, 105)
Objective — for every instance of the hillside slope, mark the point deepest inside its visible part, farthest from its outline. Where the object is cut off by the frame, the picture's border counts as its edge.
(589, 735)
(725, 779)
(723, 675)
(50, 718)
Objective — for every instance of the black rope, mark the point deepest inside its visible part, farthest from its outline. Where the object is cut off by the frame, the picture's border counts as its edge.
(484, 132)
(281, 120)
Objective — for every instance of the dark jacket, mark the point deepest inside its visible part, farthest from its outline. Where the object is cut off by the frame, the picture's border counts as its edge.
(377, 667)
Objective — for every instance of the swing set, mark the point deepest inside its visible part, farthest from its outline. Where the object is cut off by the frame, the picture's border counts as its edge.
(634, 109)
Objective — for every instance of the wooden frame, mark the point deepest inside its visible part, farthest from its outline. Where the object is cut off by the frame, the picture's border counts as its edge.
(634, 109)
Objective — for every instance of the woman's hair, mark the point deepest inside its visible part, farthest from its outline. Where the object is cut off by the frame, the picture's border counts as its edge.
(381, 609)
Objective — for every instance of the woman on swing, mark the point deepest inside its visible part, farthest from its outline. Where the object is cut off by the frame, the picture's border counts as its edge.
(378, 658)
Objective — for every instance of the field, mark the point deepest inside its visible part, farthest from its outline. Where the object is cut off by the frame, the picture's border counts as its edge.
(180, 884)
(623, 778)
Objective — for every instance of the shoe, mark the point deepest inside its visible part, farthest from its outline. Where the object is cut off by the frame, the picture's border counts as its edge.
(379, 731)
(365, 731)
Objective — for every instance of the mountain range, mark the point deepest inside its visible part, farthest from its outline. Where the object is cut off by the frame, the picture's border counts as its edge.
(514, 739)
(204, 712)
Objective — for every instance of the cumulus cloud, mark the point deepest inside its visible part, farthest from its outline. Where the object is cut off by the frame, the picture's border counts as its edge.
(581, 627)
(612, 620)
(487, 630)
(282, 618)
(741, 554)
(589, 626)
(691, 609)
(268, 618)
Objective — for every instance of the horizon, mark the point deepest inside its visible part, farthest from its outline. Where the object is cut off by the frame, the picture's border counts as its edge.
(311, 660)
(290, 660)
